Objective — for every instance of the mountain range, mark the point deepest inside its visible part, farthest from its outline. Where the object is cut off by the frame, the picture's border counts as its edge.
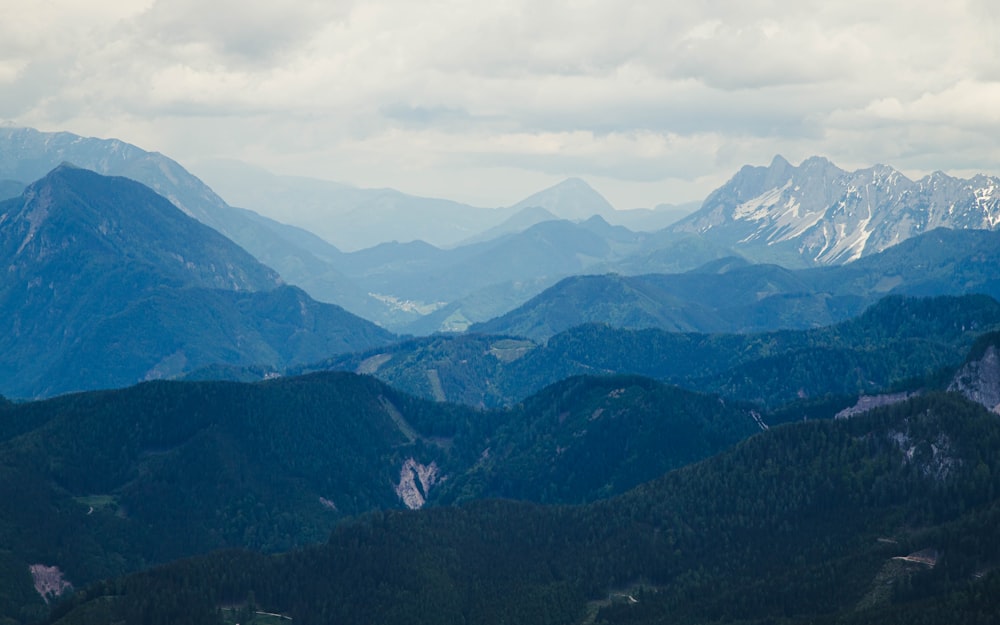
(697, 437)
(819, 214)
(301, 257)
(27, 155)
(813, 214)
(108, 283)
(353, 218)
(440, 289)
(897, 339)
(127, 478)
(732, 295)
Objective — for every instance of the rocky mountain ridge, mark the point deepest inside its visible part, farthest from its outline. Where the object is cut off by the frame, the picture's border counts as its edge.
(979, 378)
(819, 214)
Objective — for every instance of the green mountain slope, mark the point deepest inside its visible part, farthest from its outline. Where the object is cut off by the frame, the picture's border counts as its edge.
(889, 517)
(755, 298)
(587, 438)
(105, 482)
(896, 339)
(108, 284)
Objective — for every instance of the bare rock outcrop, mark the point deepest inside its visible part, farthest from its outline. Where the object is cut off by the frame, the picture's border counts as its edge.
(415, 481)
(979, 379)
(49, 581)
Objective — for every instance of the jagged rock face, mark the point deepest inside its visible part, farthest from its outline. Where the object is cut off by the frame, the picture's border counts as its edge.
(824, 215)
(979, 380)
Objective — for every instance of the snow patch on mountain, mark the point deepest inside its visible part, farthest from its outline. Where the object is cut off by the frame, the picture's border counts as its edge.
(759, 208)
(826, 215)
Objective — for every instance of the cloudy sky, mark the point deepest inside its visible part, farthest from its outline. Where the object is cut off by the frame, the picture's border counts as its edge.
(486, 102)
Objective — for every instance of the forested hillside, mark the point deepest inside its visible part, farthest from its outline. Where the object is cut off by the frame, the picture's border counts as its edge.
(98, 484)
(888, 517)
(898, 338)
(587, 438)
(102, 483)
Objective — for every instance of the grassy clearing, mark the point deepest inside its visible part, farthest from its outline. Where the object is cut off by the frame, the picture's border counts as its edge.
(98, 502)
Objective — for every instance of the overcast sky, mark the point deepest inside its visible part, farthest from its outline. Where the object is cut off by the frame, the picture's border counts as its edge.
(486, 102)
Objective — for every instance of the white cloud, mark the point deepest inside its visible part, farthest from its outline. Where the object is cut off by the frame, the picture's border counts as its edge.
(236, 32)
(511, 93)
(965, 104)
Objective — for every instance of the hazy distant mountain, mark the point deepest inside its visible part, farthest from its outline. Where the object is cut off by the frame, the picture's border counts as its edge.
(448, 289)
(431, 289)
(27, 154)
(354, 219)
(652, 219)
(668, 252)
(518, 222)
(817, 213)
(737, 297)
(348, 217)
(108, 283)
(575, 200)
(571, 199)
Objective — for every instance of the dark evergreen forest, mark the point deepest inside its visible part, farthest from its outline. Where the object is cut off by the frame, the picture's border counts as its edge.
(889, 517)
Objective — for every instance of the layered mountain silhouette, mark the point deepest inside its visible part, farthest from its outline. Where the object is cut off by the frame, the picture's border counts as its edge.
(898, 338)
(812, 214)
(884, 516)
(356, 217)
(736, 296)
(27, 154)
(108, 283)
